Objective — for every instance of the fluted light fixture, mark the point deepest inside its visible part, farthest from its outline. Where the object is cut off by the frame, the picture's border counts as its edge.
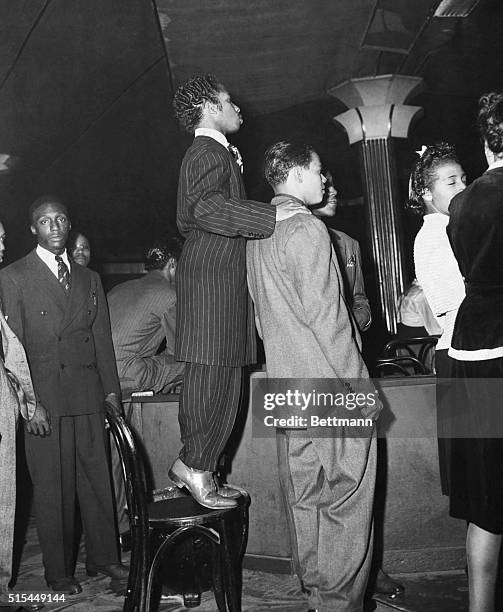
(455, 8)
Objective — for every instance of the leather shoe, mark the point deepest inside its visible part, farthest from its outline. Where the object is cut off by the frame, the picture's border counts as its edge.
(227, 490)
(385, 585)
(66, 585)
(200, 485)
(116, 571)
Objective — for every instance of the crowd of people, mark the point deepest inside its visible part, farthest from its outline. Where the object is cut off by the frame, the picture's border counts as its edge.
(190, 324)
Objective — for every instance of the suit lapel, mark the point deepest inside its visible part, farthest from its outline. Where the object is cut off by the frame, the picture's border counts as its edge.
(45, 280)
(79, 290)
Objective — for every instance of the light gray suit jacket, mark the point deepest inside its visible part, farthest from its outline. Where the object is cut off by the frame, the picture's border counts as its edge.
(142, 315)
(301, 315)
(16, 395)
(297, 287)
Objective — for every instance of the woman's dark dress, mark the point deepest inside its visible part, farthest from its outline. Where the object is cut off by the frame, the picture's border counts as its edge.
(476, 233)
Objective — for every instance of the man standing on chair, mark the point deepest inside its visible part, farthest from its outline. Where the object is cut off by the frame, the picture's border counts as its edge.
(59, 313)
(215, 329)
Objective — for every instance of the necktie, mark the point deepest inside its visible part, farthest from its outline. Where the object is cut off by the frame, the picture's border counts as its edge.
(63, 273)
(237, 156)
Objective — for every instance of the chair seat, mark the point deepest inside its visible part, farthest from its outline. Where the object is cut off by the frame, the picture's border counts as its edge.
(207, 545)
(182, 511)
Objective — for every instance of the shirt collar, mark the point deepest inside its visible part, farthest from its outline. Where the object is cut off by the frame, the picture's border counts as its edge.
(282, 198)
(49, 258)
(211, 133)
(496, 164)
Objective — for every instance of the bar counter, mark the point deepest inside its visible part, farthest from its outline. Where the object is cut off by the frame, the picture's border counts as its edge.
(412, 522)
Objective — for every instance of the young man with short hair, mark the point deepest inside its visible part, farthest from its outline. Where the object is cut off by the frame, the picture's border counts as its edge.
(215, 332)
(327, 482)
(59, 312)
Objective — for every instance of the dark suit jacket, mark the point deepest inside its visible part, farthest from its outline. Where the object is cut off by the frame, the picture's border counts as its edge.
(214, 311)
(349, 258)
(66, 337)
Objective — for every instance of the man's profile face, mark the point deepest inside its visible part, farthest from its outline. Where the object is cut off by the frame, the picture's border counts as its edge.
(51, 226)
(228, 119)
(313, 181)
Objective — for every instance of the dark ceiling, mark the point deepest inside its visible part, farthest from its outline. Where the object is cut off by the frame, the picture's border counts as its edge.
(86, 87)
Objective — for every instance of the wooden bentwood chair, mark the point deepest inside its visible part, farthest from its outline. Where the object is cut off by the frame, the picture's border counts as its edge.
(157, 526)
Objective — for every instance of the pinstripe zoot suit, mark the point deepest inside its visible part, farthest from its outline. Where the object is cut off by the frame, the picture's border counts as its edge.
(215, 324)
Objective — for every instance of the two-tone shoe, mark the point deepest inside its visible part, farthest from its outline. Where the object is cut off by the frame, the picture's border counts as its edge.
(200, 485)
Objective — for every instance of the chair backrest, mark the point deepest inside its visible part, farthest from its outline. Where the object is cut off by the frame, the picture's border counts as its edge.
(133, 472)
(422, 348)
(404, 366)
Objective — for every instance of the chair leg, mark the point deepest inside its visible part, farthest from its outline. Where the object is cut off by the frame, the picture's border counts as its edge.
(245, 503)
(231, 566)
(218, 585)
(137, 568)
(143, 602)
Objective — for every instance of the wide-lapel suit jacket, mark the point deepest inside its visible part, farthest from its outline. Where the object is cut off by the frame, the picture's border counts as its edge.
(349, 258)
(214, 311)
(67, 337)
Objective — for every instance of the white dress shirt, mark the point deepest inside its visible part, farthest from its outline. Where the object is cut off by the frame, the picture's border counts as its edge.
(50, 259)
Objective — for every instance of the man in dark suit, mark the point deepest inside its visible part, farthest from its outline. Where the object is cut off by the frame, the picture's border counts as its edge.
(349, 259)
(58, 311)
(215, 327)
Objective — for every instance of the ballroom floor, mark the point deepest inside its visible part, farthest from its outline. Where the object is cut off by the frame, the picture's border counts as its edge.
(440, 592)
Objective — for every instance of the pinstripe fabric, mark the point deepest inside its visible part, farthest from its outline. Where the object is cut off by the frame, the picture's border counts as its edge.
(214, 312)
(212, 393)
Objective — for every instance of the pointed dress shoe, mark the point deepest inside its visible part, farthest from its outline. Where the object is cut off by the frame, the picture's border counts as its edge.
(200, 485)
(227, 490)
(66, 585)
(116, 571)
(386, 585)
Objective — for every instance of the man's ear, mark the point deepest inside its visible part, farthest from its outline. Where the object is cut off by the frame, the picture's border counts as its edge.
(427, 195)
(33, 230)
(210, 108)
